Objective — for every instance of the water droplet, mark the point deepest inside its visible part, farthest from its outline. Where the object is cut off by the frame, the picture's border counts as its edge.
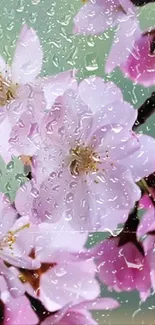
(35, 2)
(69, 197)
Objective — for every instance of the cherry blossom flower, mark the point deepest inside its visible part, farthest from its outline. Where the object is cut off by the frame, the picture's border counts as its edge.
(19, 311)
(63, 276)
(24, 97)
(11, 253)
(17, 94)
(123, 268)
(97, 16)
(140, 64)
(90, 161)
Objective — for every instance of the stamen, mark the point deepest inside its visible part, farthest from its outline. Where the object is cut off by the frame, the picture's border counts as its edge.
(7, 91)
(10, 238)
(84, 160)
(19, 229)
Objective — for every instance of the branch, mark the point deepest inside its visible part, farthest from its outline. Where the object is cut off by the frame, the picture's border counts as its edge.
(141, 3)
(145, 111)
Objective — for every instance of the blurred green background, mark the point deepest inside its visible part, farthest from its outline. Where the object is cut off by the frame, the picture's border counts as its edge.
(53, 21)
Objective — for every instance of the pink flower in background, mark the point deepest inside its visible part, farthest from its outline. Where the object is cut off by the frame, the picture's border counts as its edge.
(147, 229)
(18, 92)
(97, 16)
(140, 64)
(63, 276)
(79, 314)
(11, 252)
(123, 268)
(90, 162)
(24, 98)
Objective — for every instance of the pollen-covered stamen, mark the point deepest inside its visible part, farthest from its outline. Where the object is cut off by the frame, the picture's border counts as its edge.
(83, 160)
(10, 238)
(7, 91)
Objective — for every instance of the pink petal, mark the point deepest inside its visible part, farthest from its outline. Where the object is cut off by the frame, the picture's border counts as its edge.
(26, 116)
(71, 282)
(71, 317)
(145, 201)
(147, 223)
(128, 31)
(18, 311)
(45, 161)
(24, 200)
(8, 215)
(6, 150)
(56, 85)
(27, 62)
(128, 6)
(99, 304)
(96, 17)
(60, 236)
(122, 268)
(25, 136)
(152, 266)
(113, 143)
(19, 261)
(99, 197)
(141, 163)
(104, 101)
(15, 286)
(49, 205)
(140, 65)
(97, 93)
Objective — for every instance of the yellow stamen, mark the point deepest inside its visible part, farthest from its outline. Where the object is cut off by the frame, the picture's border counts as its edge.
(84, 160)
(19, 229)
(7, 91)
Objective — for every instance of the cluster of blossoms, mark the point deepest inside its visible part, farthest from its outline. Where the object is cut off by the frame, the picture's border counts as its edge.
(88, 171)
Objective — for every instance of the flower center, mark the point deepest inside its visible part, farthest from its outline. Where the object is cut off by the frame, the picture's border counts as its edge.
(33, 276)
(83, 160)
(10, 238)
(7, 91)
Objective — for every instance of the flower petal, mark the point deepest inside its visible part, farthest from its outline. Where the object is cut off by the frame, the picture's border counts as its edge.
(95, 17)
(128, 31)
(18, 311)
(8, 215)
(74, 281)
(98, 304)
(147, 223)
(141, 163)
(55, 86)
(27, 62)
(15, 286)
(97, 93)
(140, 65)
(6, 150)
(49, 204)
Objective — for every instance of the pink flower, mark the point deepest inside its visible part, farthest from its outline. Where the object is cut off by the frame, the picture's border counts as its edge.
(19, 93)
(11, 253)
(140, 64)
(79, 313)
(63, 276)
(97, 16)
(24, 98)
(123, 268)
(90, 162)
